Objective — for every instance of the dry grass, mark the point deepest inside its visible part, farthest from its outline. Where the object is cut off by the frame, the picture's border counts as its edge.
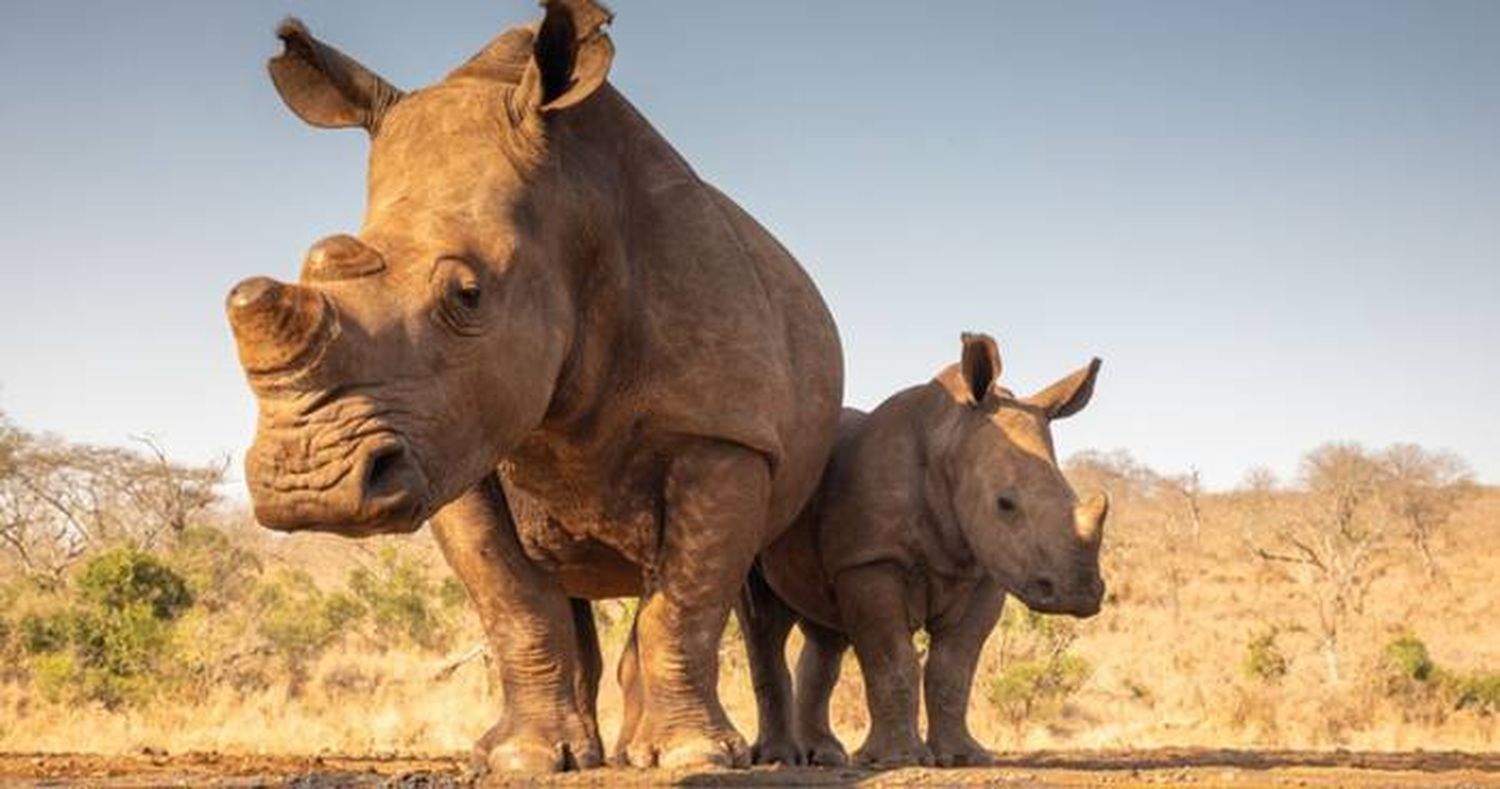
(1166, 659)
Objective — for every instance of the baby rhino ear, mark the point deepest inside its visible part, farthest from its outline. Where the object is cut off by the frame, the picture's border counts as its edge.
(980, 364)
(324, 86)
(1068, 396)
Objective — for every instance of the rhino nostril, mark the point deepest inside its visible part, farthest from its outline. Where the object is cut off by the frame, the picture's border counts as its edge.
(383, 469)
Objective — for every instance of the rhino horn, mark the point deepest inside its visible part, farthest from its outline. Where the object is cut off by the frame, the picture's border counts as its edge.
(278, 327)
(1089, 517)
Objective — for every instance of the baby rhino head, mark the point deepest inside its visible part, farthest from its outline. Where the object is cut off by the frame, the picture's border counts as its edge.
(1013, 506)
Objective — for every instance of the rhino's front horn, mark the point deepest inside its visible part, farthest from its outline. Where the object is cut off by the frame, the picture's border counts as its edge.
(1089, 517)
(277, 327)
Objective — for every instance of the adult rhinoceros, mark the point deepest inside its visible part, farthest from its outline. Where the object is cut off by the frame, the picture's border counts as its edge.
(594, 373)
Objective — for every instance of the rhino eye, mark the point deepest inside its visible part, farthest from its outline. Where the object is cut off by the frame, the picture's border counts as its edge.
(468, 295)
(459, 299)
(1007, 505)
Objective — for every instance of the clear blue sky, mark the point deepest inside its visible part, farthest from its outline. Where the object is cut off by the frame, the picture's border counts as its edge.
(1277, 221)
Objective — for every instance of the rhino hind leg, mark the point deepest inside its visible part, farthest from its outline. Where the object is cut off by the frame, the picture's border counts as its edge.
(949, 677)
(547, 722)
(817, 674)
(629, 677)
(589, 668)
(766, 622)
(716, 498)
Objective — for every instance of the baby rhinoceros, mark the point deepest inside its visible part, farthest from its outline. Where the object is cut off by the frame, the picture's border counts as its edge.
(933, 507)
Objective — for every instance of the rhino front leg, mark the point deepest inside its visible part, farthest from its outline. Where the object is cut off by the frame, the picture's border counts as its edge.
(817, 674)
(872, 604)
(949, 677)
(716, 498)
(547, 722)
(766, 622)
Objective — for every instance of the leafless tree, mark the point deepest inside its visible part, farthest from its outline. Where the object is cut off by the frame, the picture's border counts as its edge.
(1189, 488)
(1337, 542)
(1116, 472)
(58, 499)
(1422, 489)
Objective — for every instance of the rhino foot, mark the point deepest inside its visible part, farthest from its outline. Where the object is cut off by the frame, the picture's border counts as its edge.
(959, 751)
(554, 746)
(825, 750)
(717, 747)
(885, 752)
(778, 748)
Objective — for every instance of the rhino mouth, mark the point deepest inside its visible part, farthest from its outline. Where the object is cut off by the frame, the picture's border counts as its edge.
(375, 485)
(1043, 595)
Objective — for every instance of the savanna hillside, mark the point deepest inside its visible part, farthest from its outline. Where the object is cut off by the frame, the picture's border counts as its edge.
(1351, 606)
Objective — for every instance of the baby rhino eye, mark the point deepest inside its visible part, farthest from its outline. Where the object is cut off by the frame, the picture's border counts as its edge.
(1007, 504)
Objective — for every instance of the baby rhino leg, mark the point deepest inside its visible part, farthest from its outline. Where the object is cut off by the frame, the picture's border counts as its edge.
(950, 675)
(766, 622)
(817, 674)
(872, 603)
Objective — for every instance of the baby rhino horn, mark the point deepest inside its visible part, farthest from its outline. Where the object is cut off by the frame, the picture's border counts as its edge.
(1089, 517)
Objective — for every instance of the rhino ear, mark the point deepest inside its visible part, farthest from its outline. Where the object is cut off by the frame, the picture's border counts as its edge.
(980, 364)
(1068, 396)
(570, 56)
(324, 86)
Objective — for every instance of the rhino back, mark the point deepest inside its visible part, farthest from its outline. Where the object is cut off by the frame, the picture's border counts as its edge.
(698, 324)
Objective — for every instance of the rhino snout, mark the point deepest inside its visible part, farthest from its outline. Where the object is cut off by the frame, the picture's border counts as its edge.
(1046, 595)
(380, 489)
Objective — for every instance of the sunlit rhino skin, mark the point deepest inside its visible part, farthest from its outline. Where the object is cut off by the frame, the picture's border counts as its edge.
(593, 372)
(934, 506)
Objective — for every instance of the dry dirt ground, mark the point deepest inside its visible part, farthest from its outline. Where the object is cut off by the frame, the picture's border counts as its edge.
(1056, 768)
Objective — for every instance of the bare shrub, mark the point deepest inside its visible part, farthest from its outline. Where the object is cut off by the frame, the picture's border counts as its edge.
(1037, 672)
(59, 500)
(1336, 543)
(1422, 489)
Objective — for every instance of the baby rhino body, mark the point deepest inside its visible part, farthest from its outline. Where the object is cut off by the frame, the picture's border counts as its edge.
(933, 506)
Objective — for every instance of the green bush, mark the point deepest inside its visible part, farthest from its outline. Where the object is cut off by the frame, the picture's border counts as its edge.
(452, 594)
(1478, 692)
(1037, 674)
(1037, 688)
(300, 620)
(44, 634)
(1407, 657)
(114, 646)
(1413, 679)
(404, 604)
(1264, 660)
(124, 643)
(125, 578)
(220, 574)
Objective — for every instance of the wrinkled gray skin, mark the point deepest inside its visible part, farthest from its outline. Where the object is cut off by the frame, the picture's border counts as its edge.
(593, 372)
(934, 506)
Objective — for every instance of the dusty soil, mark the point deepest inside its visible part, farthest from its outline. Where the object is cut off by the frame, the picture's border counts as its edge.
(1063, 768)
